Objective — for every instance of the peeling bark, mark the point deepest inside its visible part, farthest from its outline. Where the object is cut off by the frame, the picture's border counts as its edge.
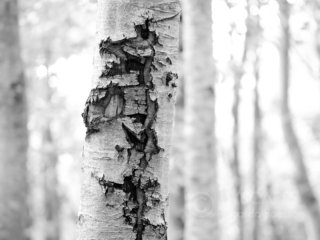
(129, 118)
(13, 129)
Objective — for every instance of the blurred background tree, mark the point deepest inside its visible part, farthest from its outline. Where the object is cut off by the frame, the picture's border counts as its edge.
(14, 189)
(201, 218)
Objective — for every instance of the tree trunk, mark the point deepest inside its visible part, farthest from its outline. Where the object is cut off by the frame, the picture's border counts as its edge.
(199, 74)
(13, 129)
(129, 116)
(51, 186)
(316, 10)
(49, 157)
(257, 138)
(238, 73)
(235, 162)
(274, 224)
(305, 190)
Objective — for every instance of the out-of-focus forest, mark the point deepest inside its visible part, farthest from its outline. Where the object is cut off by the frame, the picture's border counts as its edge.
(267, 130)
(57, 40)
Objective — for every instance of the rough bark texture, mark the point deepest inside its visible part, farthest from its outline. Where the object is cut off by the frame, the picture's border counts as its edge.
(305, 190)
(199, 74)
(129, 116)
(13, 130)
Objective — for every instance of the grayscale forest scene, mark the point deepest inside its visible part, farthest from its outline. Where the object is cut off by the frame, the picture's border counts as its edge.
(159, 120)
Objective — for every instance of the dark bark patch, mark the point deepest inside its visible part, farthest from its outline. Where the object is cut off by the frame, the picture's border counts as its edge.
(137, 142)
(138, 118)
(170, 76)
(107, 103)
(80, 219)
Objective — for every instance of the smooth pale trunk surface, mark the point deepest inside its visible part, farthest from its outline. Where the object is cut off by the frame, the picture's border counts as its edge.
(129, 116)
(199, 73)
(13, 130)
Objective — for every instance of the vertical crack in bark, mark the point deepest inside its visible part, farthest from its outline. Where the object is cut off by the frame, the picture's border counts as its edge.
(133, 55)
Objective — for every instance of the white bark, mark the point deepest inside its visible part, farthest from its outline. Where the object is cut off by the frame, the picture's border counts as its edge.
(129, 117)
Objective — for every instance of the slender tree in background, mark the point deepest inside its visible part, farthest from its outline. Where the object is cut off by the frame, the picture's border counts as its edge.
(315, 6)
(235, 162)
(49, 157)
(257, 142)
(238, 72)
(13, 129)
(305, 190)
(257, 129)
(199, 74)
(274, 224)
(129, 116)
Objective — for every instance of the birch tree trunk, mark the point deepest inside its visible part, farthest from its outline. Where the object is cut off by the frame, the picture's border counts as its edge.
(304, 187)
(129, 116)
(199, 74)
(13, 128)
